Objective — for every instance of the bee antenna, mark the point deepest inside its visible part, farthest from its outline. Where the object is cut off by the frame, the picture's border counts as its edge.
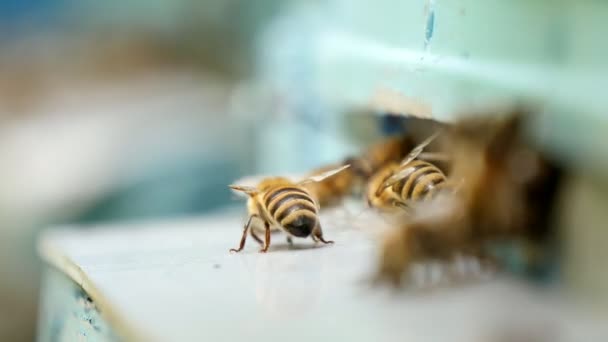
(249, 190)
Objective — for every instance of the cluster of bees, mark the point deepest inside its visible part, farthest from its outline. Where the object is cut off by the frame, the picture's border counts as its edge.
(481, 184)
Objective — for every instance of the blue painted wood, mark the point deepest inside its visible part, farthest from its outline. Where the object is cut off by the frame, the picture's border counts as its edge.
(67, 313)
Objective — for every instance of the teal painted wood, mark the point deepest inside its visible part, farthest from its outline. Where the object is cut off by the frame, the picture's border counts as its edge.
(67, 313)
(451, 56)
(449, 53)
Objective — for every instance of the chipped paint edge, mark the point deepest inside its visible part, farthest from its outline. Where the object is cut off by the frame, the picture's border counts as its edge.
(54, 258)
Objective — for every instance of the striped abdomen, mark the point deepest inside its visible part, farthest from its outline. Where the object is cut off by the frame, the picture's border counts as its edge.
(421, 181)
(292, 208)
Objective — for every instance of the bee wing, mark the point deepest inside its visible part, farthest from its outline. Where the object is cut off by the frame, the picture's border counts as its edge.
(403, 172)
(321, 176)
(418, 149)
(396, 177)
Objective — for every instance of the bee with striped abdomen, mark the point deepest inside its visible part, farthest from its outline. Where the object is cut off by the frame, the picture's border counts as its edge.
(279, 203)
(398, 185)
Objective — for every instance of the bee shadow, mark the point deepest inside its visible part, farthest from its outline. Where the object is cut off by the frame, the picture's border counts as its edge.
(294, 247)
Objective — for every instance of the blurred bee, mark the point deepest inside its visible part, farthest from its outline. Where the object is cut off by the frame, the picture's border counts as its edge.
(508, 195)
(331, 191)
(398, 185)
(279, 203)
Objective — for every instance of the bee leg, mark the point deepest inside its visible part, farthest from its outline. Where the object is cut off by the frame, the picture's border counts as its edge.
(317, 235)
(255, 237)
(290, 240)
(394, 260)
(266, 238)
(244, 236)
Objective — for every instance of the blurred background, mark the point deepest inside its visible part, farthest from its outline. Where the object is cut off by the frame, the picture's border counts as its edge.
(147, 109)
(115, 111)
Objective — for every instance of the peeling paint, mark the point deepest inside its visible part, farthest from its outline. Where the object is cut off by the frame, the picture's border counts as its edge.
(68, 313)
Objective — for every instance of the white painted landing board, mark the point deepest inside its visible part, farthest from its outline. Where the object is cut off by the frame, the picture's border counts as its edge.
(176, 281)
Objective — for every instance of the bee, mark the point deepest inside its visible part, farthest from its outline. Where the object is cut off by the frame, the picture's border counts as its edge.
(330, 191)
(279, 203)
(398, 185)
(508, 195)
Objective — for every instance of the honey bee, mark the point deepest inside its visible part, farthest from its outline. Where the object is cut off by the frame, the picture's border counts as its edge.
(398, 185)
(330, 191)
(279, 203)
(508, 195)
